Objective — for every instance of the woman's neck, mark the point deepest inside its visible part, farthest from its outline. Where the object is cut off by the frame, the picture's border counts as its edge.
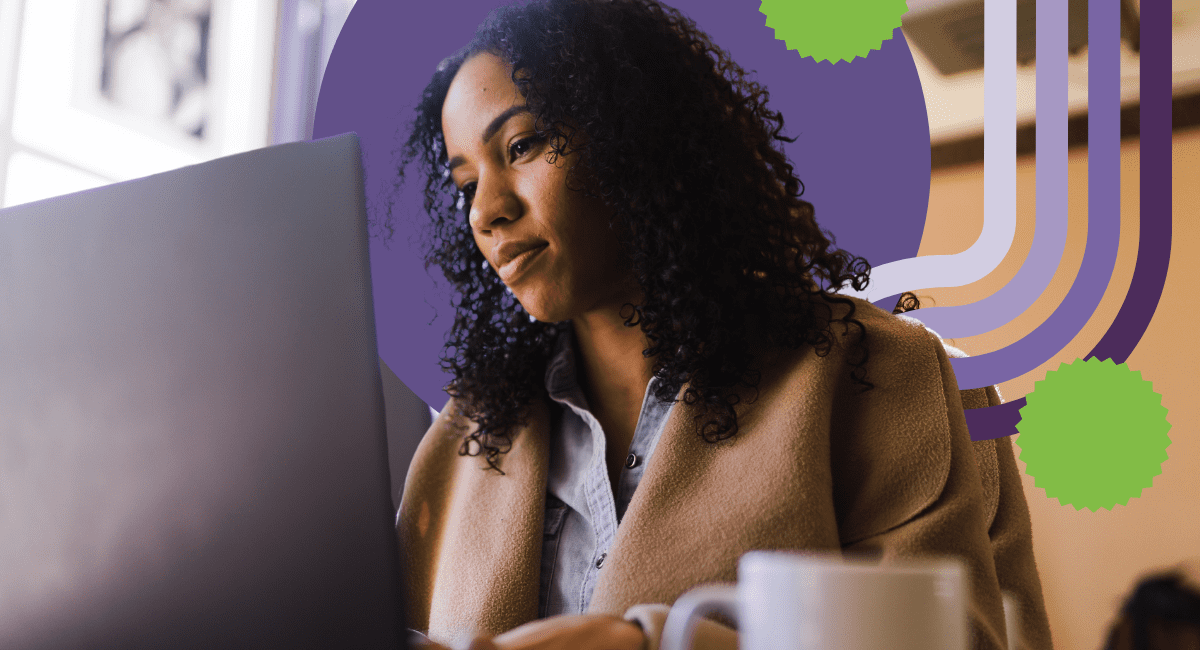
(613, 374)
(610, 357)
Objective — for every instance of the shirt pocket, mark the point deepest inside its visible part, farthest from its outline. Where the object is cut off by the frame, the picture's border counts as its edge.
(556, 513)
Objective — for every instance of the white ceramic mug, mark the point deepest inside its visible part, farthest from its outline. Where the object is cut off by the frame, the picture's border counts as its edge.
(791, 601)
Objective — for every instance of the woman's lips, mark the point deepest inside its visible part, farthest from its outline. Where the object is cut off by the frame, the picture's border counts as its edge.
(513, 269)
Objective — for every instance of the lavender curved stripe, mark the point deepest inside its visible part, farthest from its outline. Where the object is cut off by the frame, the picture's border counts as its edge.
(1104, 216)
(1000, 178)
(1050, 229)
(1154, 244)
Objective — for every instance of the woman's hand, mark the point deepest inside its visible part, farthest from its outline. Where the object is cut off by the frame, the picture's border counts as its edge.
(568, 632)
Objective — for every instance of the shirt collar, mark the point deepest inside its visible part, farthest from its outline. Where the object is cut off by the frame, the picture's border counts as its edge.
(561, 380)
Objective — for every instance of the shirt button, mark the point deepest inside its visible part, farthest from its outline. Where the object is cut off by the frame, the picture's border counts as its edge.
(632, 461)
(600, 560)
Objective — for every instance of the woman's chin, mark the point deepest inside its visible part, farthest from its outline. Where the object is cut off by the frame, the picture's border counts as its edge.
(545, 316)
(540, 310)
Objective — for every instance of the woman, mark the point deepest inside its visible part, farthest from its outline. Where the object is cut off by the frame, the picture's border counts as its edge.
(653, 371)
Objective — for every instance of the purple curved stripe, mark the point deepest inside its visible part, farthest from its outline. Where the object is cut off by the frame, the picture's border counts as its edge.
(1154, 245)
(1050, 229)
(995, 421)
(1104, 216)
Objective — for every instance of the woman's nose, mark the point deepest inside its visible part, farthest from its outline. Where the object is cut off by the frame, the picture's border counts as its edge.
(494, 204)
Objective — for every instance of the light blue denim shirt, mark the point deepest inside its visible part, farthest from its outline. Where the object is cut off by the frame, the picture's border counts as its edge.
(583, 508)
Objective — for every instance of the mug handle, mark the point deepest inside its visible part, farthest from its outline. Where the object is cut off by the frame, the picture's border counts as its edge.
(699, 602)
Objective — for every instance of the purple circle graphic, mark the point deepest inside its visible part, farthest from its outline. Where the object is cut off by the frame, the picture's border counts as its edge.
(862, 145)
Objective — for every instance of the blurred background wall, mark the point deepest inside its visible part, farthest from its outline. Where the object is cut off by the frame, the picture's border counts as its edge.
(1088, 561)
(96, 91)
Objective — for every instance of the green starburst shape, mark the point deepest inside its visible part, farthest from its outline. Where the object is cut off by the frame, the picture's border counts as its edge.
(833, 30)
(1093, 434)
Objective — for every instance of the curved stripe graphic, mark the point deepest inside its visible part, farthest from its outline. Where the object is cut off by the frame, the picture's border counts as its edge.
(1154, 245)
(1050, 227)
(1000, 182)
(1104, 217)
(1154, 242)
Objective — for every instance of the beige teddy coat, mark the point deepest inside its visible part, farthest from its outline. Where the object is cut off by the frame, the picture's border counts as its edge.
(817, 464)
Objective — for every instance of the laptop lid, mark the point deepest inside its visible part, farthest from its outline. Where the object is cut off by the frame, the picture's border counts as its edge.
(192, 440)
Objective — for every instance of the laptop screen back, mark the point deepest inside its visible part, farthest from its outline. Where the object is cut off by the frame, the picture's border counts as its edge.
(192, 447)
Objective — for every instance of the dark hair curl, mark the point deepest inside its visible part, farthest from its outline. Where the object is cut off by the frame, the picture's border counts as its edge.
(1160, 604)
(908, 301)
(679, 142)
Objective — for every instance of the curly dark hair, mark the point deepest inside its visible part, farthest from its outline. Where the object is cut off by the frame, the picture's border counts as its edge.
(679, 142)
(907, 302)
(1160, 603)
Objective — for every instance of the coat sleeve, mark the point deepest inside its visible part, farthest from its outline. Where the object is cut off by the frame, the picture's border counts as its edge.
(1009, 527)
(906, 483)
(1012, 548)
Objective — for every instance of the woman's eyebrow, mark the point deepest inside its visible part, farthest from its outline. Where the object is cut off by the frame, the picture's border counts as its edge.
(498, 122)
(492, 129)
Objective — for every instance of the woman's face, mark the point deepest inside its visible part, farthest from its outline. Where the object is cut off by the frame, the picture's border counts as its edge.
(551, 246)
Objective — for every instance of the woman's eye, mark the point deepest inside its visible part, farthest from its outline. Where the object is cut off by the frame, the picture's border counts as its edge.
(522, 147)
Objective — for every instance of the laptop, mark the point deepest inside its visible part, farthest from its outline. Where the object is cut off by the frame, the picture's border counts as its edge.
(192, 434)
